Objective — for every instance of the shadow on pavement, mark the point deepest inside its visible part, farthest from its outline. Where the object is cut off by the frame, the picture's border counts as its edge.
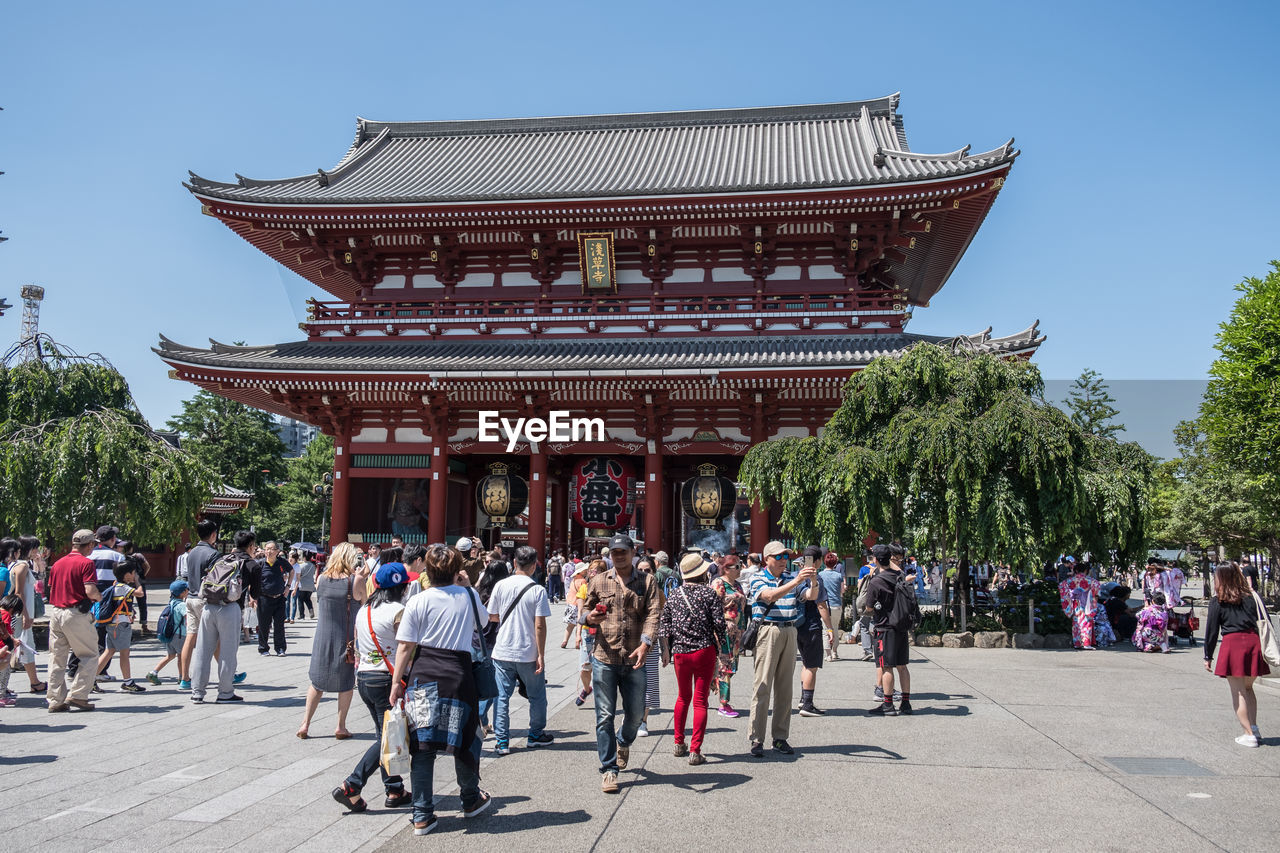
(497, 823)
(6, 761)
(699, 782)
(851, 750)
(41, 729)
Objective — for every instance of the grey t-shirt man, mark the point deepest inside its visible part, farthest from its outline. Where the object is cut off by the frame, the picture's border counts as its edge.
(306, 576)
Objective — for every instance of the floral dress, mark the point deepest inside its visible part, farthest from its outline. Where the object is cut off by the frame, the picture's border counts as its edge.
(735, 621)
(1079, 595)
(1153, 623)
(1103, 634)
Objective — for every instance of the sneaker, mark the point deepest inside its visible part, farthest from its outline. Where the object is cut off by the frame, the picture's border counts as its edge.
(486, 800)
(132, 687)
(757, 749)
(904, 707)
(184, 684)
(897, 696)
(153, 677)
(609, 782)
(809, 711)
(424, 828)
(1247, 740)
(867, 656)
(680, 750)
(501, 748)
(96, 688)
(783, 747)
(884, 709)
(696, 759)
(543, 739)
(644, 729)
(582, 696)
(279, 653)
(106, 676)
(240, 677)
(263, 653)
(398, 799)
(880, 693)
(197, 700)
(728, 711)
(624, 754)
(232, 698)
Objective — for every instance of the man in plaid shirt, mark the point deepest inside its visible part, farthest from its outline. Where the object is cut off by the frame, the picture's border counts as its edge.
(623, 605)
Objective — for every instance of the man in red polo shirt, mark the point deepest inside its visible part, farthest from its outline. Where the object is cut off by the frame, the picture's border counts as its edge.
(73, 587)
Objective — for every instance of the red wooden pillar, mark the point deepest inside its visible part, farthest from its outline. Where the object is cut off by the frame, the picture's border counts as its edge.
(653, 488)
(438, 497)
(560, 512)
(538, 501)
(340, 515)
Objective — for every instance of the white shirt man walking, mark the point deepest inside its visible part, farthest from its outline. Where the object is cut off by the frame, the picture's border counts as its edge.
(520, 607)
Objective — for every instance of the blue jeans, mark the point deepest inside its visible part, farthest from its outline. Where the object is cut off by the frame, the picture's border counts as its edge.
(554, 587)
(375, 690)
(535, 684)
(607, 681)
(485, 708)
(420, 775)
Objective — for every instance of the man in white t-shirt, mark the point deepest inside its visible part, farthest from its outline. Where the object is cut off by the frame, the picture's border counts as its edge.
(520, 607)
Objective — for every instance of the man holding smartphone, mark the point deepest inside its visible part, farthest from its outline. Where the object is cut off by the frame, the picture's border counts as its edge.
(773, 597)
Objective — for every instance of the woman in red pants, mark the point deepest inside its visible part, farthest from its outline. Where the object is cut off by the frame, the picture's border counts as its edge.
(692, 629)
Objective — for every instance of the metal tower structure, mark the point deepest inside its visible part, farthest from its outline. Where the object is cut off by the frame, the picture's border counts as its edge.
(28, 338)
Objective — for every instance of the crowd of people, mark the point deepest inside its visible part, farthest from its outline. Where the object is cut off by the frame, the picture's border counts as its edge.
(451, 634)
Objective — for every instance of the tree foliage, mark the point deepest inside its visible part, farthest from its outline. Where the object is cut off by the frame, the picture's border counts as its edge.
(1240, 415)
(1090, 403)
(962, 446)
(297, 509)
(76, 452)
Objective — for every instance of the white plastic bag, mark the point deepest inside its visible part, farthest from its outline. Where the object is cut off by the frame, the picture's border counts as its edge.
(395, 742)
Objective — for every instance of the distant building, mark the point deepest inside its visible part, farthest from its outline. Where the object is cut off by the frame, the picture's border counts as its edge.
(295, 434)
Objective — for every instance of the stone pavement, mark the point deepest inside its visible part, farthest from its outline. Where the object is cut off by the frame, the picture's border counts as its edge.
(1007, 750)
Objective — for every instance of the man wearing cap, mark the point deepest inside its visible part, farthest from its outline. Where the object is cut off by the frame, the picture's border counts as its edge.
(73, 587)
(104, 557)
(472, 562)
(773, 595)
(624, 606)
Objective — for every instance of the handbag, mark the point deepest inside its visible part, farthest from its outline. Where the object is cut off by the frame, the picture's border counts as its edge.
(752, 632)
(394, 756)
(482, 670)
(1267, 634)
(349, 653)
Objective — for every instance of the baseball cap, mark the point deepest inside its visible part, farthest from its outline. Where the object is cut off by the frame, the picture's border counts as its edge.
(83, 536)
(178, 587)
(621, 541)
(692, 565)
(880, 553)
(389, 575)
(1068, 559)
(464, 544)
(775, 548)
(106, 532)
(814, 551)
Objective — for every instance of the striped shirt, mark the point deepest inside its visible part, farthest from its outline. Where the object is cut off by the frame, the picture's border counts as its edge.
(784, 609)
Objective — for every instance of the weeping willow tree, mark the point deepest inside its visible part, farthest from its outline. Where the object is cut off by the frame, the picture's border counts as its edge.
(964, 447)
(76, 452)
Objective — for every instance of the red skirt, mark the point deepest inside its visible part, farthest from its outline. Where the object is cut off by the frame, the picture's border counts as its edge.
(1240, 655)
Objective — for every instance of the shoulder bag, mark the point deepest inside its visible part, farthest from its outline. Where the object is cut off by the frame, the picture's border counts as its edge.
(349, 653)
(1267, 634)
(373, 635)
(751, 633)
(520, 686)
(482, 670)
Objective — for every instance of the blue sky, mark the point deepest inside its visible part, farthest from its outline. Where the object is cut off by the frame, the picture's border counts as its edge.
(1146, 189)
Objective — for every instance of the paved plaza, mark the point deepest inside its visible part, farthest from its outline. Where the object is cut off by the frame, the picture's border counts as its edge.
(1008, 750)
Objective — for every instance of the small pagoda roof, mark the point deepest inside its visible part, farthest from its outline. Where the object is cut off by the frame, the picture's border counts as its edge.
(763, 149)
(598, 356)
(225, 499)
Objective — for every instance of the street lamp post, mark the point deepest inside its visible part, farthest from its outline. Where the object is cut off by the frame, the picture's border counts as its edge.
(324, 493)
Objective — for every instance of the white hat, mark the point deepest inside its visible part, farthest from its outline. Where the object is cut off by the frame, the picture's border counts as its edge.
(464, 545)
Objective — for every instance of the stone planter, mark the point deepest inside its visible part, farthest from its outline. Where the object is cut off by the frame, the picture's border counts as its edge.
(1057, 641)
(1028, 641)
(991, 640)
(931, 640)
(958, 641)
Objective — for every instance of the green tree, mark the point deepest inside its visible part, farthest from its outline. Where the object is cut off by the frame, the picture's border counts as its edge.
(76, 452)
(298, 510)
(964, 447)
(1090, 403)
(1241, 410)
(238, 443)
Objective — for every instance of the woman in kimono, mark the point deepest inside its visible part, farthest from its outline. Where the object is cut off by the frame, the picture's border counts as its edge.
(1152, 634)
(1079, 595)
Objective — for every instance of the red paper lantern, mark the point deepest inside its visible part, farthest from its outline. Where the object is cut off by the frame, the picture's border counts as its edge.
(603, 492)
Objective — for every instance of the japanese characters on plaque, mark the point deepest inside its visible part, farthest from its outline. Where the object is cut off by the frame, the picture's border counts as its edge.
(595, 255)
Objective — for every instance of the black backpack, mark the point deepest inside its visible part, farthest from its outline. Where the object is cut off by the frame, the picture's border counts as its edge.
(905, 613)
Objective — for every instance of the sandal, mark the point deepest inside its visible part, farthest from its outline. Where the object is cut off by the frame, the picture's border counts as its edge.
(42, 687)
(350, 798)
(302, 735)
(342, 735)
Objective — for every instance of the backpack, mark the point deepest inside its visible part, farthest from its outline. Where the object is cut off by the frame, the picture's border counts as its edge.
(222, 583)
(906, 610)
(167, 624)
(107, 609)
